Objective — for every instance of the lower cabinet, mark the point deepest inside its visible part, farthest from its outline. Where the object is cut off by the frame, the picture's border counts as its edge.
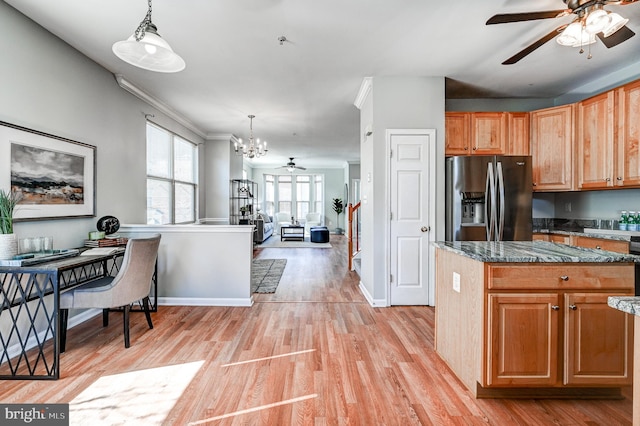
(552, 327)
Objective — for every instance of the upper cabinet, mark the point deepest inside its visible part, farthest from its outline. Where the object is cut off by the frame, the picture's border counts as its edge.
(457, 133)
(595, 141)
(552, 148)
(628, 135)
(486, 133)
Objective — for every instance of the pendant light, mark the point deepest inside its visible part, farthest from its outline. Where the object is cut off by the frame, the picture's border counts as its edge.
(146, 49)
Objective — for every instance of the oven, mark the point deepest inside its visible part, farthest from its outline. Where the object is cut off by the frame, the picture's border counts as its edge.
(634, 248)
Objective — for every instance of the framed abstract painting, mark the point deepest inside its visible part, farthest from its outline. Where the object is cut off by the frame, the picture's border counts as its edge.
(54, 177)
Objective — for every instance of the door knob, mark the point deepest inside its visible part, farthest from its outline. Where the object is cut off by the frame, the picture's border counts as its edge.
(425, 228)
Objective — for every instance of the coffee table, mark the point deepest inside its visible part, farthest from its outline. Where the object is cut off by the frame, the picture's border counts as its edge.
(292, 232)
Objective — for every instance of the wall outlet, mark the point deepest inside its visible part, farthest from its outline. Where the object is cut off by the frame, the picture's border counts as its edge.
(567, 207)
(456, 282)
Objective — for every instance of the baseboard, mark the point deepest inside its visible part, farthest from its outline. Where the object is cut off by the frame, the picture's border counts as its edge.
(379, 303)
(198, 301)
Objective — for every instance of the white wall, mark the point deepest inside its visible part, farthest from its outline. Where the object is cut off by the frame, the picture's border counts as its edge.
(396, 103)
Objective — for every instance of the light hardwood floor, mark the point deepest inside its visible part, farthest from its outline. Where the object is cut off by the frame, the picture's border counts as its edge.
(313, 353)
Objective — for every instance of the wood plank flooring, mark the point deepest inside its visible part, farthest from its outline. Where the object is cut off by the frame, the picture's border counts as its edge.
(313, 353)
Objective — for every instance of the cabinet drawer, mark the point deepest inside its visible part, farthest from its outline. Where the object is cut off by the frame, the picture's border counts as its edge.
(601, 244)
(561, 276)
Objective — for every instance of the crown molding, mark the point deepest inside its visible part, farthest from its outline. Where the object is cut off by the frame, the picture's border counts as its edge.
(158, 104)
(224, 137)
(363, 93)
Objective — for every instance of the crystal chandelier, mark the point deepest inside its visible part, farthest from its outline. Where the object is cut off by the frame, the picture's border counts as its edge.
(253, 149)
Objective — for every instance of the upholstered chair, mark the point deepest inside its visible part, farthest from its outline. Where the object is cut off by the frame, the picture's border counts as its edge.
(131, 284)
(313, 219)
(282, 219)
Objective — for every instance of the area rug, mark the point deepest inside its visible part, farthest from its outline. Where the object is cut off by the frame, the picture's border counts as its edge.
(274, 242)
(266, 274)
(141, 397)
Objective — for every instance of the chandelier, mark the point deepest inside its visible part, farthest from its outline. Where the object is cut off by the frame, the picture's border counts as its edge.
(254, 149)
(146, 49)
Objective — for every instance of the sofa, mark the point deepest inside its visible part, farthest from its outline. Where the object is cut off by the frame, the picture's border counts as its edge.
(264, 228)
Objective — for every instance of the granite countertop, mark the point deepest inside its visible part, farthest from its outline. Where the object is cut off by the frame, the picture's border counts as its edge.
(531, 251)
(628, 304)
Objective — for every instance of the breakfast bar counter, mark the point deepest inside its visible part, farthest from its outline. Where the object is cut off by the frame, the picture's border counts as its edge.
(530, 319)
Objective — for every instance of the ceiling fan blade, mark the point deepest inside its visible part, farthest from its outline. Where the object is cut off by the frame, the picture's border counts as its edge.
(301, 168)
(623, 34)
(505, 18)
(527, 50)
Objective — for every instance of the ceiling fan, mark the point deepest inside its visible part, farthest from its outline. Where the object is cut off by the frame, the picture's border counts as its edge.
(591, 20)
(291, 166)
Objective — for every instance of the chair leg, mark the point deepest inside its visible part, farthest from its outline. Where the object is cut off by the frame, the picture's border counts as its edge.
(64, 316)
(147, 313)
(105, 317)
(126, 326)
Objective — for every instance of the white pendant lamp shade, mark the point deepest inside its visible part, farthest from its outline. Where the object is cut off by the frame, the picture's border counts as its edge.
(616, 23)
(597, 21)
(575, 36)
(150, 53)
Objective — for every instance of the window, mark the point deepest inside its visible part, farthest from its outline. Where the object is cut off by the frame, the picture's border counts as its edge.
(294, 194)
(172, 177)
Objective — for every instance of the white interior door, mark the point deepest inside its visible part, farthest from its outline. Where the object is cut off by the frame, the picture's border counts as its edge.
(410, 219)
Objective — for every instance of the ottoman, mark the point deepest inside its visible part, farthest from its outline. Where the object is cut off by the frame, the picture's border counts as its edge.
(319, 234)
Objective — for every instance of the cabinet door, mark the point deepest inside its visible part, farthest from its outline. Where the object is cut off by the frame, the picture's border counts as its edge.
(552, 148)
(489, 133)
(628, 143)
(598, 341)
(522, 347)
(519, 138)
(595, 141)
(457, 133)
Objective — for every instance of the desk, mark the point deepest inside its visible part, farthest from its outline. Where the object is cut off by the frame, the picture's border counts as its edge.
(34, 318)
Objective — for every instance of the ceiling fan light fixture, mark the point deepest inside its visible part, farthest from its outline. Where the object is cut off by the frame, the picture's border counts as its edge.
(575, 36)
(615, 24)
(147, 50)
(597, 20)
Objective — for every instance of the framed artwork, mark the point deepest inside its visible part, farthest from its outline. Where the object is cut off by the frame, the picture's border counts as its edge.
(54, 176)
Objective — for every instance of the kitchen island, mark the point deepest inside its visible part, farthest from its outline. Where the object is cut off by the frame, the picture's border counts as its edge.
(530, 319)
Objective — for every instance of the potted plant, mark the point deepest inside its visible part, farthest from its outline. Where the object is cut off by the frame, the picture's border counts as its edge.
(244, 210)
(338, 207)
(8, 240)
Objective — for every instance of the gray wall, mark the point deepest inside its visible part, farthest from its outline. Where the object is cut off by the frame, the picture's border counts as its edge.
(48, 86)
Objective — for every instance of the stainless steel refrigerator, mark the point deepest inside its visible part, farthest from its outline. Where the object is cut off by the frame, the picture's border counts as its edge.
(488, 198)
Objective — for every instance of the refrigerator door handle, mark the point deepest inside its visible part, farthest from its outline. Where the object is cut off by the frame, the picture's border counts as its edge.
(500, 182)
(489, 203)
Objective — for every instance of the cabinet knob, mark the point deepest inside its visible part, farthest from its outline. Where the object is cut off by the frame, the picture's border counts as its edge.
(564, 278)
(619, 178)
(598, 247)
(535, 184)
(465, 148)
(475, 147)
(555, 307)
(573, 307)
(607, 179)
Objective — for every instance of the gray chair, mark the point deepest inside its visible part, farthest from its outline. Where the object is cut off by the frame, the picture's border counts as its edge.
(131, 284)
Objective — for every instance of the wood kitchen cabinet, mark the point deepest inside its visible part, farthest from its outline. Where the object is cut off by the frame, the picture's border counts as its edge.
(628, 135)
(534, 329)
(457, 133)
(595, 141)
(552, 134)
(600, 243)
(487, 133)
